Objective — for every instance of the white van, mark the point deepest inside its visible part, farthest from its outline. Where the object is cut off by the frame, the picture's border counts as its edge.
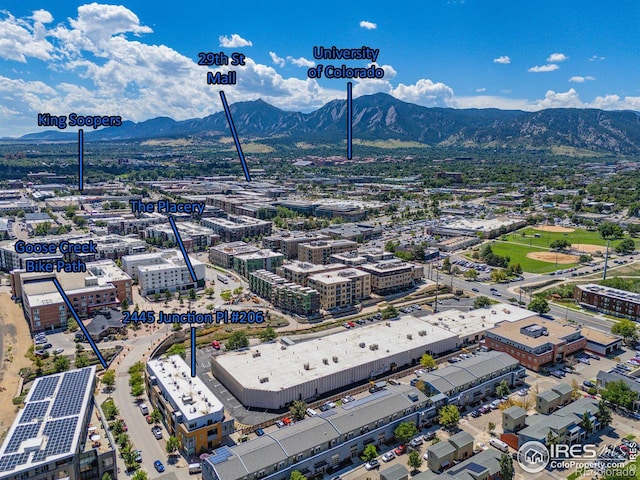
(311, 412)
(194, 468)
(499, 444)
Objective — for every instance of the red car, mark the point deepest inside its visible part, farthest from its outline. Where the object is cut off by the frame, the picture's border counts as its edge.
(351, 324)
(215, 344)
(400, 449)
(286, 421)
(148, 419)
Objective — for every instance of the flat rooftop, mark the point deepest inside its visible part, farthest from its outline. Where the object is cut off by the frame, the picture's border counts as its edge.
(189, 394)
(556, 332)
(466, 323)
(599, 337)
(611, 292)
(286, 368)
(311, 268)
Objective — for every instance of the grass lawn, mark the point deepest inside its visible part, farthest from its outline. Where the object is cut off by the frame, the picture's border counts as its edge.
(580, 235)
(518, 254)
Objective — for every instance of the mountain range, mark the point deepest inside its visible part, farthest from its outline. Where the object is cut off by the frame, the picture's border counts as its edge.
(383, 117)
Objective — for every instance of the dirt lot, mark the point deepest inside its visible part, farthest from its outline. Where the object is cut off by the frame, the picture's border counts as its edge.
(554, 228)
(588, 248)
(551, 257)
(14, 343)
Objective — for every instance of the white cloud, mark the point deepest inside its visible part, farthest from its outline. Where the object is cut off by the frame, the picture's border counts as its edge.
(425, 92)
(490, 101)
(596, 58)
(276, 59)
(557, 57)
(550, 67)
(20, 40)
(480, 90)
(301, 62)
(42, 16)
(579, 79)
(234, 41)
(504, 59)
(368, 25)
(568, 99)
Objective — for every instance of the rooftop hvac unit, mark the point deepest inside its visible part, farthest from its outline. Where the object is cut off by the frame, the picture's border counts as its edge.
(264, 379)
(335, 359)
(283, 347)
(186, 399)
(373, 346)
(325, 361)
(256, 354)
(306, 366)
(409, 336)
(422, 333)
(362, 344)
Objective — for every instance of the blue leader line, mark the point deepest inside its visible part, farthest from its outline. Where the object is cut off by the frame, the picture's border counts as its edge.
(349, 120)
(80, 324)
(193, 351)
(183, 250)
(232, 127)
(80, 159)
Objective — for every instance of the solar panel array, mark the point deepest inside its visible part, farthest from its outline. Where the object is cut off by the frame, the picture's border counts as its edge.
(34, 410)
(44, 388)
(71, 394)
(220, 455)
(22, 433)
(9, 462)
(60, 435)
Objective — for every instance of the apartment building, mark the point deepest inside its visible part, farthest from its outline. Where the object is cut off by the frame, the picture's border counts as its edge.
(612, 301)
(320, 252)
(390, 276)
(341, 288)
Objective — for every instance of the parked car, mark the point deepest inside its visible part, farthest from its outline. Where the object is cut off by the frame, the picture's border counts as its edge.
(58, 351)
(372, 464)
(589, 384)
(387, 457)
(259, 432)
(400, 449)
(280, 424)
(429, 436)
(157, 432)
(416, 442)
(215, 344)
(138, 454)
(158, 466)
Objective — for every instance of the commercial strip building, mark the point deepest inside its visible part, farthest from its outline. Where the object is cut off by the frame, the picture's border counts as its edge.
(313, 445)
(164, 271)
(60, 433)
(107, 247)
(341, 288)
(612, 301)
(536, 343)
(222, 255)
(246, 263)
(190, 411)
(390, 276)
(602, 343)
(268, 376)
(474, 379)
(237, 227)
(287, 242)
(102, 285)
(471, 227)
(285, 295)
(319, 252)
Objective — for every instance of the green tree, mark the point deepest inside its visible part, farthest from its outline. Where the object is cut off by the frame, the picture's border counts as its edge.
(625, 247)
(610, 231)
(173, 444)
(156, 297)
(237, 340)
(296, 475)
(389, 312)
(106, 476)
(471, 274)
(449, 416)
(507, 471)
(539, 305)
(156, 416)
(81, 360)
(586, 423)
(390, 246)
(124, 304)
(604, 414)
(117, 427)
(584, 258)
(192, 294)
(618, 393)
(405, 431)
(498, 275)
(61, 363)
(238, 290)
(414, 461)
(446, 265)
(225, 295)
(482, 302)
(491, 426)
(139, 475)
(627, 329)
(428, 362)
(267, 334)
(502, 389)
(72, 325)
(109, 409)
(560, 244)
(177, 349)
(209, 292)
(137, 390)
(298, 410)
(370, 452)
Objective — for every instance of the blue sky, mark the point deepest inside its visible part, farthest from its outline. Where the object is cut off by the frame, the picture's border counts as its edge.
(137, 59)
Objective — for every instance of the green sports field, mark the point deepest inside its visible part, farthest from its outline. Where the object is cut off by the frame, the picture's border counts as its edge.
(518, 254)
(532, 237)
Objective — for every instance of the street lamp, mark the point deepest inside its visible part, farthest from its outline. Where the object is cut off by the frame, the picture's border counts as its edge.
(606, 261)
